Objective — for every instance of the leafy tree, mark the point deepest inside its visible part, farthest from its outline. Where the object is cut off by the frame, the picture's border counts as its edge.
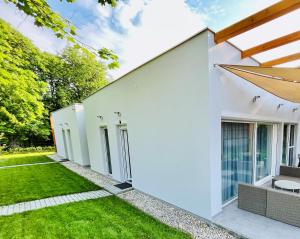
(33, 83)
(21, 93)
(71, 77)
(44, 16)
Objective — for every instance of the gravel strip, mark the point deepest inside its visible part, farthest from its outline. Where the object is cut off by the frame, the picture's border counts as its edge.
(164, 212)
(175, 217)
(89, 174)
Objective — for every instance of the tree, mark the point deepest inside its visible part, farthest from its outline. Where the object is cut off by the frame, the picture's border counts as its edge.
(21, 93)
(33, 83)
(44, 16)
(71, 77)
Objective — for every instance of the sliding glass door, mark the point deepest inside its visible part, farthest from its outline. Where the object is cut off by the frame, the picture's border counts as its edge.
(246, 155)
(288, 146)
(263, 151)
(237, 157)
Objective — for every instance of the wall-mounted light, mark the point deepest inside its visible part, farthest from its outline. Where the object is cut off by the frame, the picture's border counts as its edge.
(100, 117)
(118, 113)
(295, 109)
(255, 98)
(279, 106)
(73, 107)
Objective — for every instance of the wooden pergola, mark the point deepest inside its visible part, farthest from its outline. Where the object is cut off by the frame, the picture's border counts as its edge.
(280, 9)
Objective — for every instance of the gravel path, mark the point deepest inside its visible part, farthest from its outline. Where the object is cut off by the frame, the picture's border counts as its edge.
(175, 217)
(164, 212)
(91, 175)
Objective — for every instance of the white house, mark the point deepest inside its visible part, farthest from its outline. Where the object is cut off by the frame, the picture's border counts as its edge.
(169, 125)
(183, 129)
(70, 134)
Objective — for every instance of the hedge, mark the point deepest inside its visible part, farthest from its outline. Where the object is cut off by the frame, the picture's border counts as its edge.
(27, 150)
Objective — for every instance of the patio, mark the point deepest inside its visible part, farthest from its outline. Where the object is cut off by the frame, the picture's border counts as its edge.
(249, 221)
(253, 225)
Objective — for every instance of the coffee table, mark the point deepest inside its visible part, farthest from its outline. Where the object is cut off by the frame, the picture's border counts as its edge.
(287, 185)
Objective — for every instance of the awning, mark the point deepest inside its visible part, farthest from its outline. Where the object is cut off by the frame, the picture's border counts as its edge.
(282, 82)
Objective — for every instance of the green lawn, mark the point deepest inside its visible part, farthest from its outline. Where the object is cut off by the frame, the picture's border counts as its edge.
(16, 159)
(107, 218)
(39, 181)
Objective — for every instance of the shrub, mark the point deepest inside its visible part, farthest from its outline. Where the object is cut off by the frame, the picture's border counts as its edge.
(17, 150)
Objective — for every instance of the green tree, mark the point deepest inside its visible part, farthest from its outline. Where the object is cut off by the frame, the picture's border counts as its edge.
(71, 77)
(21, 93)
(44, 16)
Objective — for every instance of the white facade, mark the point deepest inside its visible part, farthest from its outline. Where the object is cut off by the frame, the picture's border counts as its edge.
(70, 134)
(160, 125)
(231, 99)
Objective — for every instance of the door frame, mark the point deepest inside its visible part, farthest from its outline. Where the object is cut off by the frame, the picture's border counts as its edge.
(273, 152)
(124, 163)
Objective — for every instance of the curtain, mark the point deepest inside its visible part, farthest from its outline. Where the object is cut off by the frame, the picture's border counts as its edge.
(236, 157)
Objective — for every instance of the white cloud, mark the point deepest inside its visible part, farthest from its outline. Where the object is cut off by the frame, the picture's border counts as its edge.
(42, 38)
(163, 24)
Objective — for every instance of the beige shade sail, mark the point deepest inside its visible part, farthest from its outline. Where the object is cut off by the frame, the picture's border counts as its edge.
(282, 82)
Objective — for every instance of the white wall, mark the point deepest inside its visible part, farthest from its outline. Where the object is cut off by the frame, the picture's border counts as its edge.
(231, 98)
(165, 105)
(71, 118)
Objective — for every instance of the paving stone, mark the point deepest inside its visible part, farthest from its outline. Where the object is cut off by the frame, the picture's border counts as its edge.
(48, 202)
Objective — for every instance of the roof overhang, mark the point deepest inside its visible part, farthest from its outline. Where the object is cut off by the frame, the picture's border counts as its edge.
(270, 36)
(281, 82)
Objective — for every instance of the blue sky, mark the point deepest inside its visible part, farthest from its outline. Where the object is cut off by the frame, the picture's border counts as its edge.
(136, 30)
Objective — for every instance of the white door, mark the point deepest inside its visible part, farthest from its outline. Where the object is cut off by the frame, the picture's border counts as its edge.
(125, 154)
(65, 144)
(106, 150)
(264, 152)
(288, 147)
(70, 147)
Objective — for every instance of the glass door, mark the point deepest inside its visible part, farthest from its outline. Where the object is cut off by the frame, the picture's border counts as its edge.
(105, 144)
(237, 157)
(263, 151)
(125, 154)
(288, 146)
(248, 150)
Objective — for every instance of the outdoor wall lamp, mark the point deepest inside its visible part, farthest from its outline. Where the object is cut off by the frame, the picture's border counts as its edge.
(255, 98)
(100, 117)
(279, 106)
(295, 109)
(118, 113)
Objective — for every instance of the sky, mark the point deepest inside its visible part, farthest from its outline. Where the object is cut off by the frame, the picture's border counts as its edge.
(137, 30)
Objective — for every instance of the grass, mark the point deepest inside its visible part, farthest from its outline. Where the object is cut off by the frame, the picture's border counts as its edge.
(108, 218)
(28, 183)
(28, 158)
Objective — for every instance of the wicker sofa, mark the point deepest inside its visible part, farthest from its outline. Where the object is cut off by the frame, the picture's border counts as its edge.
(287, 173)
(275, 204)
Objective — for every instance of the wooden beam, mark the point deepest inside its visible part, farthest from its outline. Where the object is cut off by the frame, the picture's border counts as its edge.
(268, 14)
(282, 60)
(271, 44)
